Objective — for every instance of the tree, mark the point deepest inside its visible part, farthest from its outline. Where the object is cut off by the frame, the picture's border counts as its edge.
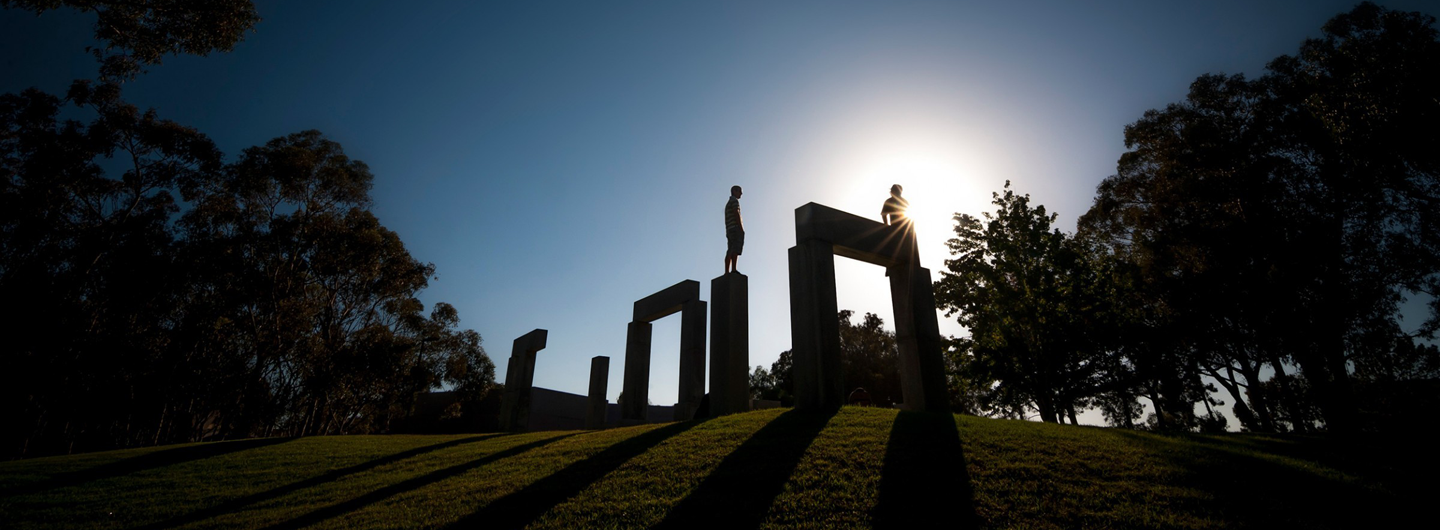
(139, 33)
(272, 302)
(783, 370)
(869, 358)
(1029, 298)
(762, 384)
(1279, 221)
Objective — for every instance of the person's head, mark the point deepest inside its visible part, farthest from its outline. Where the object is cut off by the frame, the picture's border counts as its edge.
(895, 190)
(735, 191)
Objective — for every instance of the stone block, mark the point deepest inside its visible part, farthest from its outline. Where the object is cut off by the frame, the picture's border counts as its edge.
(666, 302)
(856, 237)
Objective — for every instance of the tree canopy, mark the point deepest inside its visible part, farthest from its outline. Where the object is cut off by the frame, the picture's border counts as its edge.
(156, 293)
(140, 33)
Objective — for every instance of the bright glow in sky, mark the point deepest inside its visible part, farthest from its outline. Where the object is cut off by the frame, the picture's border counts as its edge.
(557, 162)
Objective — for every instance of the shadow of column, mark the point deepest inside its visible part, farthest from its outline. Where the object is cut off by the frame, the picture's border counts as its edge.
(924, 476)
(157, 459)
(255, 498)
(519, 508)
(407, 485)
(738, 493)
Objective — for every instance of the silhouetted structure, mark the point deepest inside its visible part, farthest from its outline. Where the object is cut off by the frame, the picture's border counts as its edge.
(821, 233)
(729, 344)
(599, 380)
(684, 298)
(519, 378)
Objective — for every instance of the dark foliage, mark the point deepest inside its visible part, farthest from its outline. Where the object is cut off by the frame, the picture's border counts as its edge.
(138, 33)
(868, 355)
(272, 303)
(1278, 223)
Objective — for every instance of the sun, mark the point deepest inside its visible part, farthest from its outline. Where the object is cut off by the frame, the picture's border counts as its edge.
(938, 181)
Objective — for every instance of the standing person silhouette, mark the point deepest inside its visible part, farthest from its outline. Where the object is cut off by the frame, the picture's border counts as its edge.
(895, 207)
(734, 231)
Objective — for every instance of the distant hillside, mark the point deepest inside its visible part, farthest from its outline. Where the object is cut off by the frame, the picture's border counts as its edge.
(860, 467)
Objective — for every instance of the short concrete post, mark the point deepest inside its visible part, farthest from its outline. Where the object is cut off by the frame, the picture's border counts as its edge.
(599, 380)
(635, 401)
(729, 344)
(917, 337)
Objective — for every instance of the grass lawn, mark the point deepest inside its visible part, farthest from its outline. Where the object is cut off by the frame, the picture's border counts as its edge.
(860, 467)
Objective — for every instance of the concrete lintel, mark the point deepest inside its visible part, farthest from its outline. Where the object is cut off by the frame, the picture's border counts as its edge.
(666, 302)
(531, 342)
(856, 237)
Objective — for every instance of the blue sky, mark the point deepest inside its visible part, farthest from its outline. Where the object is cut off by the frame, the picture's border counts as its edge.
(557, 161)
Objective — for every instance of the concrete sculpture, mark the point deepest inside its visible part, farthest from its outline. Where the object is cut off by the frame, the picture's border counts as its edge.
(684, 298)
(821, 233)
(519, 379)
(729, 344)
(599, 380)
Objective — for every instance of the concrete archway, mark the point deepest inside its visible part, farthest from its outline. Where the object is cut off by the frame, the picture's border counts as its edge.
(683, 298)
(821, 233)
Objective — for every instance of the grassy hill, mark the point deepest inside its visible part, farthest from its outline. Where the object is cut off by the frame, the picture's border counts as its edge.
(773, 468)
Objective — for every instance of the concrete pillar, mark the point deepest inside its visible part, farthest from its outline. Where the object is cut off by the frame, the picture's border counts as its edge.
(519, 379)
(917, 337)
(634, 402)
(929, 348)
(692, 359)
(599, 380)
(814, 330)
(729, 344)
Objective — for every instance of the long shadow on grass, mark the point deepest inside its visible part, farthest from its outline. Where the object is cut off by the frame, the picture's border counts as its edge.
(153, 460)
(407, 485)
(236, 504)
(738, 493)
(924, 478)
(1252, 490)
(519, 508)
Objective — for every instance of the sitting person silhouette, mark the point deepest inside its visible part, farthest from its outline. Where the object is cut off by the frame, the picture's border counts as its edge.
(893, 212)
(860, 398)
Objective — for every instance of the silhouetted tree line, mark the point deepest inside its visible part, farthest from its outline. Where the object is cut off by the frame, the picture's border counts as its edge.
(155, 293)
(1259, 235)
(868, 356)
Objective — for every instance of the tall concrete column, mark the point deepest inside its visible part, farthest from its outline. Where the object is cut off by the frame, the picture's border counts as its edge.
(635, 400)
(519, 379)
(599, 380)
(692, 359)
(814, 329)
(729, 344)
(917, 337)
(929, 347)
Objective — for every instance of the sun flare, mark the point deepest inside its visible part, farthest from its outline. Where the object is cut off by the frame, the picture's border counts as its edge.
(938, 180)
